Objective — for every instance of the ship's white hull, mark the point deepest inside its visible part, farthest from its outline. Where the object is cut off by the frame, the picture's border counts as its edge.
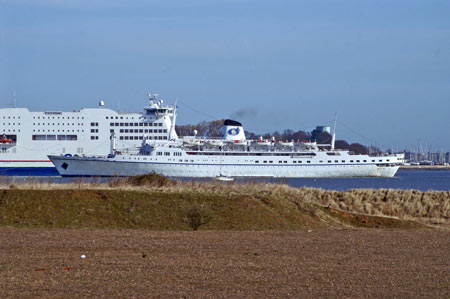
(79, 166)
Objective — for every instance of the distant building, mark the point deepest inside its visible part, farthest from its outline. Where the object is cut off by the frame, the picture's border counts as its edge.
(323, 129)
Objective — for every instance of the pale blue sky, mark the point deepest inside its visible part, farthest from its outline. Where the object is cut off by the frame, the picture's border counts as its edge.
(383, 66)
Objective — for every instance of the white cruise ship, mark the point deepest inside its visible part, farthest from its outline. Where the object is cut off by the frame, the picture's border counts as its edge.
(231, 156)
(27, 138)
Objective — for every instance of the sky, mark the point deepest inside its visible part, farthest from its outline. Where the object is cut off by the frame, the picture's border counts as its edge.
(382, 66)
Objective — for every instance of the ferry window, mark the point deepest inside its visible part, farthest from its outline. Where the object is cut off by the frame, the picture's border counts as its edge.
(111, 124)
(329, 161)
(387, 160)
(136, 137)
(167, 153)
(357, 161)
(145, 124)
(141, 137)
(159, 153)
(121, 124)
(159, 131)
(126, 124)
(150, 124)
(38, 137)
(141, 124)
(121, 138)
(336, 161)
(107, 117)
(373, 160)
(150, 130)
(165, 130)
(285, 161)
(299, 161)
(343, 161)
(136, 131)
(121, 117)
(121, 130)
(141, 131)
(111, 131)
(365, 161)
(125, 130)
(51, 137)
(280, 161)
(308, 161)
(256, 161)
(380, 160)
(351, 161)
(264, 161)
(136, 124)
(116, 124)
(320, 161)
(71, 137)
(126, 137)
(295, 162)
(270, 161)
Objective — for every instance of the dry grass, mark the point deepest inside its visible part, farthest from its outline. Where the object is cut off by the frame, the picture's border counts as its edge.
(259, 200)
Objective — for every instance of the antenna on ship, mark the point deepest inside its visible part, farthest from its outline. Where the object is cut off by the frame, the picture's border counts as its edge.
(14, 100)
(172, 131)
(333, 137)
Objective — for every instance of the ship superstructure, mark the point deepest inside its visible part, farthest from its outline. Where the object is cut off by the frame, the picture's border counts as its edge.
(29, 137)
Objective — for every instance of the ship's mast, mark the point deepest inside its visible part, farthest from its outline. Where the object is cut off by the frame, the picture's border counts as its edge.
(174, 119)
(14, 100)
(333, 137)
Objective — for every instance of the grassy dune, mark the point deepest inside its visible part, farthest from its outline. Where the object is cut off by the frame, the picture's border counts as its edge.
(155, 202)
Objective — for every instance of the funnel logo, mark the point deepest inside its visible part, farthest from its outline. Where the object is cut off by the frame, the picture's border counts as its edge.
(233, 132)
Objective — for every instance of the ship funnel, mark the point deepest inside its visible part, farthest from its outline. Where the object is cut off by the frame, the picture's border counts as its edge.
(232, 131)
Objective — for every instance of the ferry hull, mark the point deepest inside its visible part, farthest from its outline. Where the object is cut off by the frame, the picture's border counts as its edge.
(78, 166)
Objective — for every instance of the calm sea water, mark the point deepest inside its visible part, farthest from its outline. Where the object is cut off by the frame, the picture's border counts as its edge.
(405, 179)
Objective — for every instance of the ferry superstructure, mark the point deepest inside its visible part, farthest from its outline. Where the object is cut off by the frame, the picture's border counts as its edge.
(27, 138)
(232, 156)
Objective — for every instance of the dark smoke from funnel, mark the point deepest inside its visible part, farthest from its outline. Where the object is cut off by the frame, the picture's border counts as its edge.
(244, 113)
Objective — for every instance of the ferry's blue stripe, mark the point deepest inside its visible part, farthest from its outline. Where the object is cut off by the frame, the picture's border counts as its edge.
(28, 171)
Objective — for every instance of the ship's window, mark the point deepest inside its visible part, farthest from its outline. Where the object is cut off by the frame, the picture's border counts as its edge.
(380, 160)
(126, 137)
(320, 161)
(141, 124)
(136, 137)
(373, 160)
(299, 161)
(329, 161)
(111, 124)
(167, 153)
(159, 153)
(336, 161)
(121, 137)
(136, 124)
(357, 161)
(351, 161)
(121, 117)
(365, 161)
(61, 137)
(121, 130)
(136, 131)
(51, 137)
(107, 117)
(141, 131)
(343, 161)
(145, 124)
(111, 131)
(126, 124)
(150, 124)
(141, 137)
(308, 161)
(285, 161)
(270, 161)
(264, 161)
(165, 130)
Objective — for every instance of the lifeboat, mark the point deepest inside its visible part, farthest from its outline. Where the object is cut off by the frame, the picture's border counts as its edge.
(6, 140)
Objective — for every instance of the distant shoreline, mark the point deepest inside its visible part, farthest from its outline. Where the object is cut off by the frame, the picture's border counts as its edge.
(425, 167)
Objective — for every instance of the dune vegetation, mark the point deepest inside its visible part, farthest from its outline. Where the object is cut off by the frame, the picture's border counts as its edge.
(159, 203)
